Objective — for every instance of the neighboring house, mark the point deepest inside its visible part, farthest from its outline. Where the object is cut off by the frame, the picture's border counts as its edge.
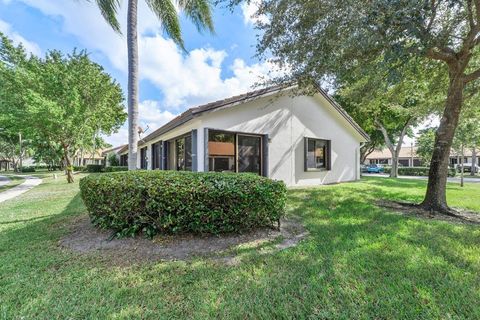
(116, 151)
(302, 140)
(408, 157)
(86, 158)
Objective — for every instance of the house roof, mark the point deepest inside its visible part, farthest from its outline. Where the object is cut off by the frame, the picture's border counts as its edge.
(117, 149)
(235, 100)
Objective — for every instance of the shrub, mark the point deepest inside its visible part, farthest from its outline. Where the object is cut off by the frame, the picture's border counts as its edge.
(79, 168)
(94, 168)
(113, 160)
(169, 201)
(417, 171)
(116, 169)
(28, 169)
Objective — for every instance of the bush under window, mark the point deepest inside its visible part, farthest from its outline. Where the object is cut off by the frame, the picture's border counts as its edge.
(115, 169)
(171, 202)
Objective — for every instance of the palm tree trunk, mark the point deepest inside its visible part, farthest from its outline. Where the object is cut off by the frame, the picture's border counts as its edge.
(132, 43)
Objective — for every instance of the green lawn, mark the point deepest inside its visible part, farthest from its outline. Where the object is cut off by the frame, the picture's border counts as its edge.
(358, 262)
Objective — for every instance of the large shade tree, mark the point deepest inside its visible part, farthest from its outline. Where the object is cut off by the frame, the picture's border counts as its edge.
(198, 11)
(59, 102)
(391, 106)
(318, 38)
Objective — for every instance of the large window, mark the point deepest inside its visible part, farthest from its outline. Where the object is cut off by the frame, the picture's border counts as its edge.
(156, 155)
(124, 160)
(221, 151)
(234, 152)
(317, 154)
(143, 158)
(249, 154)
(183, 153)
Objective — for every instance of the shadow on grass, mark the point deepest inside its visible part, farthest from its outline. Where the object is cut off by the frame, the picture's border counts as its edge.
(357, 263)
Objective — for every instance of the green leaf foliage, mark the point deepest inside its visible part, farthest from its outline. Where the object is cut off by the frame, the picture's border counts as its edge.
(155, 202)
(417, 171)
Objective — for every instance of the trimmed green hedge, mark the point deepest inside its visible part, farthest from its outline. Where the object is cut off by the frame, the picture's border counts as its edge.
(417, 171)
(92, 168)
(115, 169)
(154, 202)
(79, 168)
(28, 169)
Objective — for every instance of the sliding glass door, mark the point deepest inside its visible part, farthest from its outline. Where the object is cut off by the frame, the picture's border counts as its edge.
(249, 154)
(234, 152)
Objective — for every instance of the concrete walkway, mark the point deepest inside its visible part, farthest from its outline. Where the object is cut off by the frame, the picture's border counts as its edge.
(466, 179)
(4, 180)
(29, 183)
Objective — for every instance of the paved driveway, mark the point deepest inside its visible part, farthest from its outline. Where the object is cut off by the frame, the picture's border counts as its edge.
(466, 179)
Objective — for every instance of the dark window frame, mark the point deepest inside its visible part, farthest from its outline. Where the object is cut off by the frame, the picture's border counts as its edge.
(327, 155)
(156, 157)
(236, 135)
(144, 158)
(174, 166)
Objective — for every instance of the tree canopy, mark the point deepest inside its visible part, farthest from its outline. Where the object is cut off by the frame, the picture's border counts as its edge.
(60, 102)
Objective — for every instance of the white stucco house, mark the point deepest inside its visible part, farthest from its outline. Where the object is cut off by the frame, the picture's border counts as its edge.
(302, 140)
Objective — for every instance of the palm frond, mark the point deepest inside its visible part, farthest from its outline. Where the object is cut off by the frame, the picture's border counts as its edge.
(109, 10)
(199, 12)
(167, 13)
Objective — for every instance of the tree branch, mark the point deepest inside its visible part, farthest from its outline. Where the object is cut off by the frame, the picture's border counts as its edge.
(385, 136)
(443, 54)
(472, 76)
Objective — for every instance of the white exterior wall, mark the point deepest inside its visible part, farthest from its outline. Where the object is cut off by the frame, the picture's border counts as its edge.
(287, 120)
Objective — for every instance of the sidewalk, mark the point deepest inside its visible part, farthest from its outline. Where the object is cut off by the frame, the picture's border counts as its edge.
(29, 183)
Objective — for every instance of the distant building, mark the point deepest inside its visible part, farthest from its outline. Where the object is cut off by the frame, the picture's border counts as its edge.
(408, 157)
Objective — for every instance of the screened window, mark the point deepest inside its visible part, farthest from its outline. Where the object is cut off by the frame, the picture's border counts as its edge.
(124, 160)
(249, 154)
(317, 154)
(143, 158)
(221, 151)
(156, 155)
(234, 152)
(183, 153)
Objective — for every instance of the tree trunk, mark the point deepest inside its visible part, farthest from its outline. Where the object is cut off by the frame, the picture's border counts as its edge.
(394, 150)
(394, 170)
(132, 43)
(68, 165)
(462, 169)
(473, 170)
(435, 197)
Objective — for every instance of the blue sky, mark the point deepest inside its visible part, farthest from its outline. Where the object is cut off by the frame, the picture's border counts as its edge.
(216, 66)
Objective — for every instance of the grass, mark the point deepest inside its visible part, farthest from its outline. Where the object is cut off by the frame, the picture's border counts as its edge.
(14, 181)
(358, 262)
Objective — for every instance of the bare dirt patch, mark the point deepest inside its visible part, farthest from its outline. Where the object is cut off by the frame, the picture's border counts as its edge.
(85, 238)
(409, 209)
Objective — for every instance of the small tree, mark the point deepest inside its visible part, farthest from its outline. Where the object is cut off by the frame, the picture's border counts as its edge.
(113, 160)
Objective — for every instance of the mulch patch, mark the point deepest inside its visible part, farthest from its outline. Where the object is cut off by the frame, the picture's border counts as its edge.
(84, 238)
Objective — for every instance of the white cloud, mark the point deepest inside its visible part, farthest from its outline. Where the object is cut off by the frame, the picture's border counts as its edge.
(17, 39)
(184, 80)
(249, 10)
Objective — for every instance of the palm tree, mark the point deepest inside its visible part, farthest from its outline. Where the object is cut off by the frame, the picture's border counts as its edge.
(198, 11)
